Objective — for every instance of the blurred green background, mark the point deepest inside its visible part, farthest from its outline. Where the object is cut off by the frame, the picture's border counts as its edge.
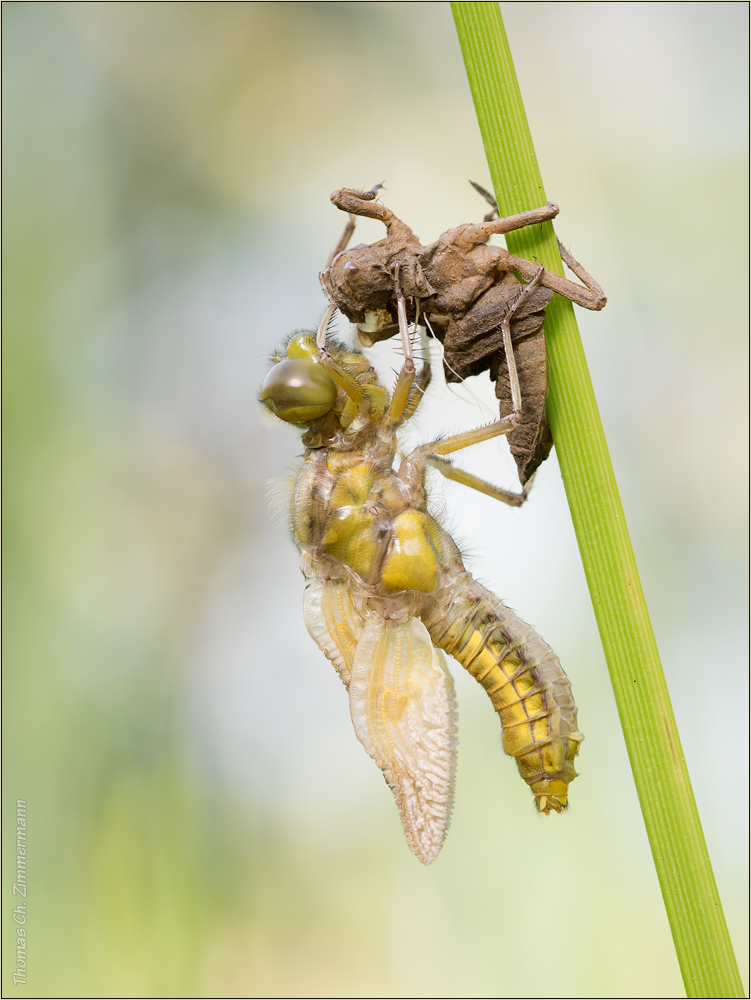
(202, 819)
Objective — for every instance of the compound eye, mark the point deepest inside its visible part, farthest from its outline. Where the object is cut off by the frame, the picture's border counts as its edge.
(298, 391)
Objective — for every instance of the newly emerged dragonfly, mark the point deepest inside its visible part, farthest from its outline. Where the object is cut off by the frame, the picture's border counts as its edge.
(387, 590)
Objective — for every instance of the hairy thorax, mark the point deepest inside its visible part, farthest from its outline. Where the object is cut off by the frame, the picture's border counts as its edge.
(352, 510)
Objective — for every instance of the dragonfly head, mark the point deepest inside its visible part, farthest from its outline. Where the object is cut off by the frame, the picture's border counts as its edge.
(298, 389)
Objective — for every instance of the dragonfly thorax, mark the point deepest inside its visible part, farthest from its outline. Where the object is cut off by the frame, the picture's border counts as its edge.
(354, 510)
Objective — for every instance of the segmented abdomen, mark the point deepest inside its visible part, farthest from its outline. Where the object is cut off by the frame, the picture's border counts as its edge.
(523, 678)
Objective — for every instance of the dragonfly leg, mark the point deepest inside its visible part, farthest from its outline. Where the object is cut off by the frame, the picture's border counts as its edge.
(364, 203)
(424, 375)
(449, 471)
(492, 226)
(343, 240)
(516, 394)
(350, 227)
(589, 297)
(584, 276)
(493, 213)
(406, 377)
(596, 300)
(339, 375)
(412, 469)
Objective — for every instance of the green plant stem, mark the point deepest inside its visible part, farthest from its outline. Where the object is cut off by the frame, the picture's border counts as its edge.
(680, 854)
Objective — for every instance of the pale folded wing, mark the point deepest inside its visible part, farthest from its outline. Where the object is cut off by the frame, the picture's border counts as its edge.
(333, 622)
(404, 711)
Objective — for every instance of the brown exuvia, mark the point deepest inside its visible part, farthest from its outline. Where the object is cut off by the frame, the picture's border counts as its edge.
(465, 291)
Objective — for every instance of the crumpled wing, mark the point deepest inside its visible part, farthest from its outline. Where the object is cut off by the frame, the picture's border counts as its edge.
(333, 622)
(403, 707)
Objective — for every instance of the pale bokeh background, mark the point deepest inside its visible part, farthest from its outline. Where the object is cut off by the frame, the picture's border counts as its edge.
(203, 821)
